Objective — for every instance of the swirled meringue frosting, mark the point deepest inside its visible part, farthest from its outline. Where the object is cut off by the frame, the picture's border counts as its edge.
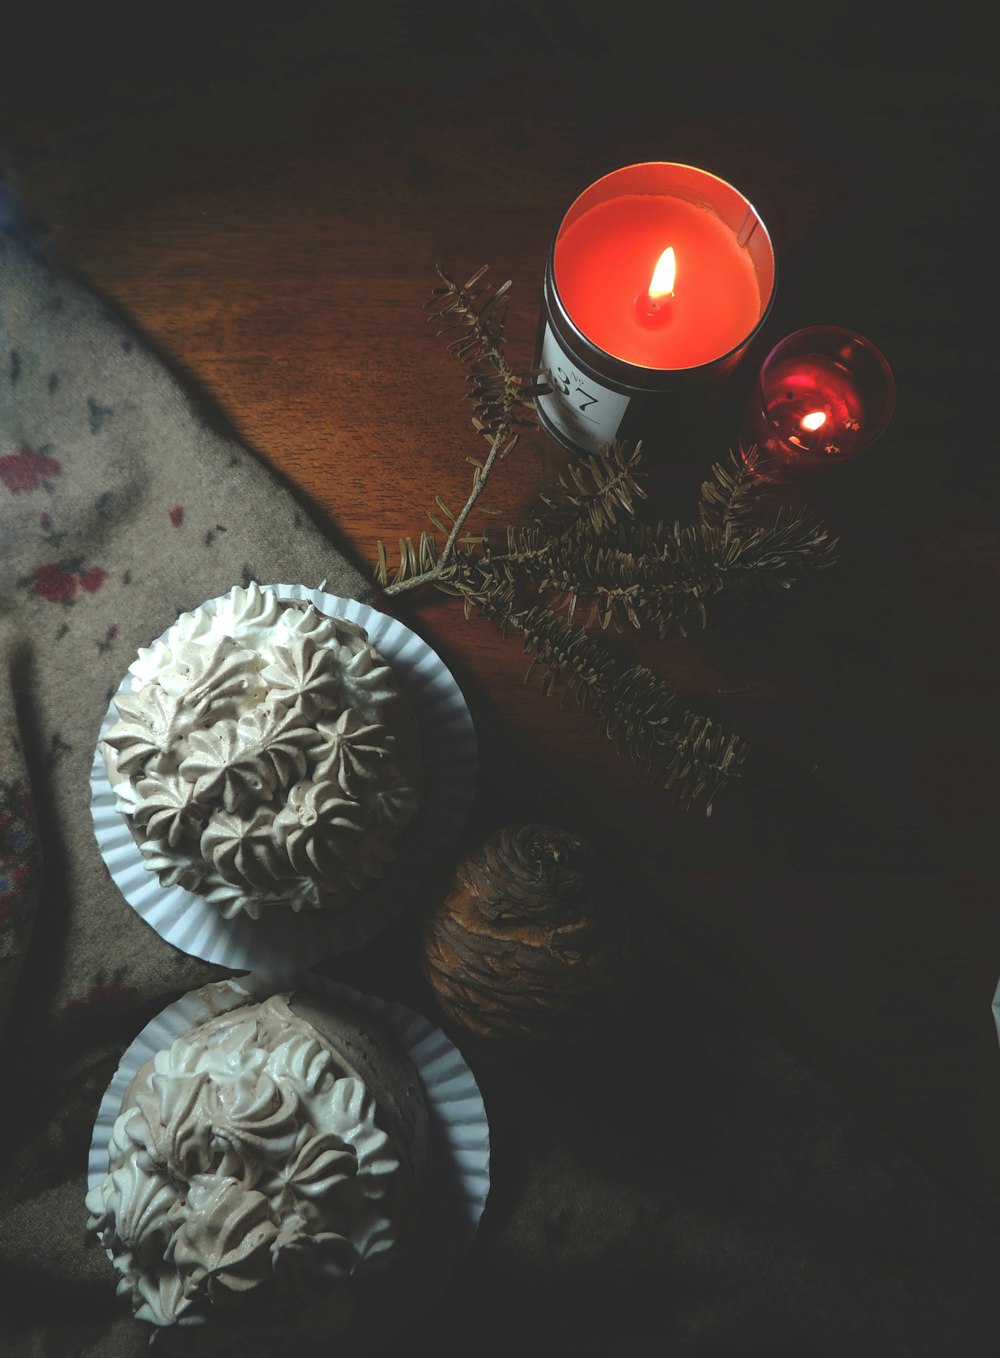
(261, 1166)
(265, 757)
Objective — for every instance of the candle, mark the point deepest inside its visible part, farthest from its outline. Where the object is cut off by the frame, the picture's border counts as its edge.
(659, 276)
(606, 262)
(823, 396)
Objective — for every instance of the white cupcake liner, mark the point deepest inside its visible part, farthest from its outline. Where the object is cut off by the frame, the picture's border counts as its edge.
(459, 1180)
(282, 938)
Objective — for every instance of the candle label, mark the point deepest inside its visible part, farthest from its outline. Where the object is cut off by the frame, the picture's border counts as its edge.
(586, 412)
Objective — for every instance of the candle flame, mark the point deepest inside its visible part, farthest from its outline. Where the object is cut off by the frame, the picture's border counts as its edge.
(815, 420)
(664, 275)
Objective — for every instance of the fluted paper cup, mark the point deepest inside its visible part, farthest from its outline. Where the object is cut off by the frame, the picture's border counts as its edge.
(283, 938)
(459, 1181)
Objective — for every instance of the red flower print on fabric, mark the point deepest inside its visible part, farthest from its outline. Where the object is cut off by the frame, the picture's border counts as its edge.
(26, 470)
(177, 515)
(93, 578)
(58, 581)
(53, 582)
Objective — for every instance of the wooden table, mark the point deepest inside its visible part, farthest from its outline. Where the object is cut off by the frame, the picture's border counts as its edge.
(270, 207)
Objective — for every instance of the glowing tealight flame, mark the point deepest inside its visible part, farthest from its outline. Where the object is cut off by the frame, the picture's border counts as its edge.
(815, 420)
(664, 276)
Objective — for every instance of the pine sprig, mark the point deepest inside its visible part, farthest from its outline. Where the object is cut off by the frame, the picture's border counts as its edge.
(415, 561)
(476, 313)
(734, 494)
(424, 565)
(690, 754)
(596, 490)
(482, 581)
(585, 552)
(669, 576)
(502, 400)
(687, 753)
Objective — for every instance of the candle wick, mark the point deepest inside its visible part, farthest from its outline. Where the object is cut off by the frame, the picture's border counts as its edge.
(652, 309)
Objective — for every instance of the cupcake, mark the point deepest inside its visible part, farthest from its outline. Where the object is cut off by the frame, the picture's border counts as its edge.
(263, 1167)
(265, 757)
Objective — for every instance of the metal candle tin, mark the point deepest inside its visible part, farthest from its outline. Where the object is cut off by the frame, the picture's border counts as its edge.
(595, 397)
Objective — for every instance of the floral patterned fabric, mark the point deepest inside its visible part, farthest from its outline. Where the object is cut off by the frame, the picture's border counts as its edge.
(119, 508)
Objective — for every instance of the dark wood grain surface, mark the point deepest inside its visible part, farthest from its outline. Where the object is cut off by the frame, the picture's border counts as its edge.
(269, 200)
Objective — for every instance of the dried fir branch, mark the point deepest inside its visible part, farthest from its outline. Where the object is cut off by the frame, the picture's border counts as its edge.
(416, 563)
(688, 754)
(501, 398)
(617, 582)
(481, 580)
(734, 493)
(585, 551)
(668, 576)
(595, 491)
(664, 575)
(407, 577)
(694, 757)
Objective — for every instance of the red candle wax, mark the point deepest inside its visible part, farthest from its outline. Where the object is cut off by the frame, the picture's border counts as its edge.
(604, 261)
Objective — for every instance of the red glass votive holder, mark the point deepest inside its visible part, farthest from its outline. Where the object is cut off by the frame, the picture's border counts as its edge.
(824, 395)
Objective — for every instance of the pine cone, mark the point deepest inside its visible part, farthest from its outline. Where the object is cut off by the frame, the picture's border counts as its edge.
(527, 939)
